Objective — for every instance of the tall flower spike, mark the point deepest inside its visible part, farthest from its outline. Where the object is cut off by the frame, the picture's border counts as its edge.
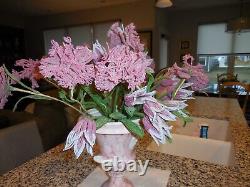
(156, 134)
(156, 117)
(132, 38)
(127, 36)
(68, 65)
(198, 77)
(30, 70)
(154, 109)
(121, 66)
(115, 35)
(155, 124)
(82, 136)
(181, 73)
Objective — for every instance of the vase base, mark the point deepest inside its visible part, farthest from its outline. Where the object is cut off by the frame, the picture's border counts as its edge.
(97, 177)
(117, 183)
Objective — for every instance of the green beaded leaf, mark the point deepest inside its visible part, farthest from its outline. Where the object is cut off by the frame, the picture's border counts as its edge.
(102, 120)
(133, 127)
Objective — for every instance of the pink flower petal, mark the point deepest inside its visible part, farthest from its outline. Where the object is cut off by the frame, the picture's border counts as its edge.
(79, 147)
(29, 69)
(82, 135)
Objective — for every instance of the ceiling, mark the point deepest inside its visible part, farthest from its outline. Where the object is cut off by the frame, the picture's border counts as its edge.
(46, 7)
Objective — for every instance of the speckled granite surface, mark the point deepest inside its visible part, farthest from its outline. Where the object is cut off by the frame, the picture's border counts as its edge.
(57, 168)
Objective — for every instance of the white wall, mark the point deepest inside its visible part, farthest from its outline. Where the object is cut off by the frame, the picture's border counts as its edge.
(161, 28)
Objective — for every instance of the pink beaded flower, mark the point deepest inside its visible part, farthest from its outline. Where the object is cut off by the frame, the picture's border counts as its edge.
(128, 36)
(159, 133)
(136, 69)
(4, 91)
(198, 77)
(29, 71)
(181, 73)
(82, 136)
(67, 65)
(189, 59)
(156, 115)
(121, 66)
(109, 71)
(138, 97)
(192, 73)
(166, 87)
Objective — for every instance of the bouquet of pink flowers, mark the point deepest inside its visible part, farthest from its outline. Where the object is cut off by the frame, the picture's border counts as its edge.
(109, 83)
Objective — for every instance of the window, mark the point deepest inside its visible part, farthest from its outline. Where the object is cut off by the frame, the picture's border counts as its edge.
(80, 35)
(55, 34)
(100, 32)
(223, 52)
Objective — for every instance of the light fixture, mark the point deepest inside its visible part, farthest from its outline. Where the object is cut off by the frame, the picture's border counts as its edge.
(163, 3)
(241, 24)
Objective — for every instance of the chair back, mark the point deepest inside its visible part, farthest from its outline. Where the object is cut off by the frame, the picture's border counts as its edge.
(18, 144)
(224, 77)
(234, 90)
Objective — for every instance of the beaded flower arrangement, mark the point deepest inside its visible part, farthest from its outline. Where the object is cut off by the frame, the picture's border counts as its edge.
(109, 83)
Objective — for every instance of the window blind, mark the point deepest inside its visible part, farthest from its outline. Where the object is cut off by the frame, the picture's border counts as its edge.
(81, 35)
(213, 39)
(100, 32)
(54, 34)
(242, 42)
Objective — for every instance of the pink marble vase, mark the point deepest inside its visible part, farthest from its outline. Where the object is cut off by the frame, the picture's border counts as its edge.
(115, 142)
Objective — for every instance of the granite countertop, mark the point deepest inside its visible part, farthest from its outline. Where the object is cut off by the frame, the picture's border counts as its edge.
(58, 168)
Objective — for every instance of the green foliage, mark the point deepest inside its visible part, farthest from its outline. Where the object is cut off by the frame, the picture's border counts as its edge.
(151, 81)
(133, 127)
(130, 111)
(29, 97)
(63, 96)
(117, 116)
(180, 83)
(81, 95)
(116, 98)
(133, 112)
(102, 120)
(110, 107)
(101, 103)
(139, 114)
(89, 104)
